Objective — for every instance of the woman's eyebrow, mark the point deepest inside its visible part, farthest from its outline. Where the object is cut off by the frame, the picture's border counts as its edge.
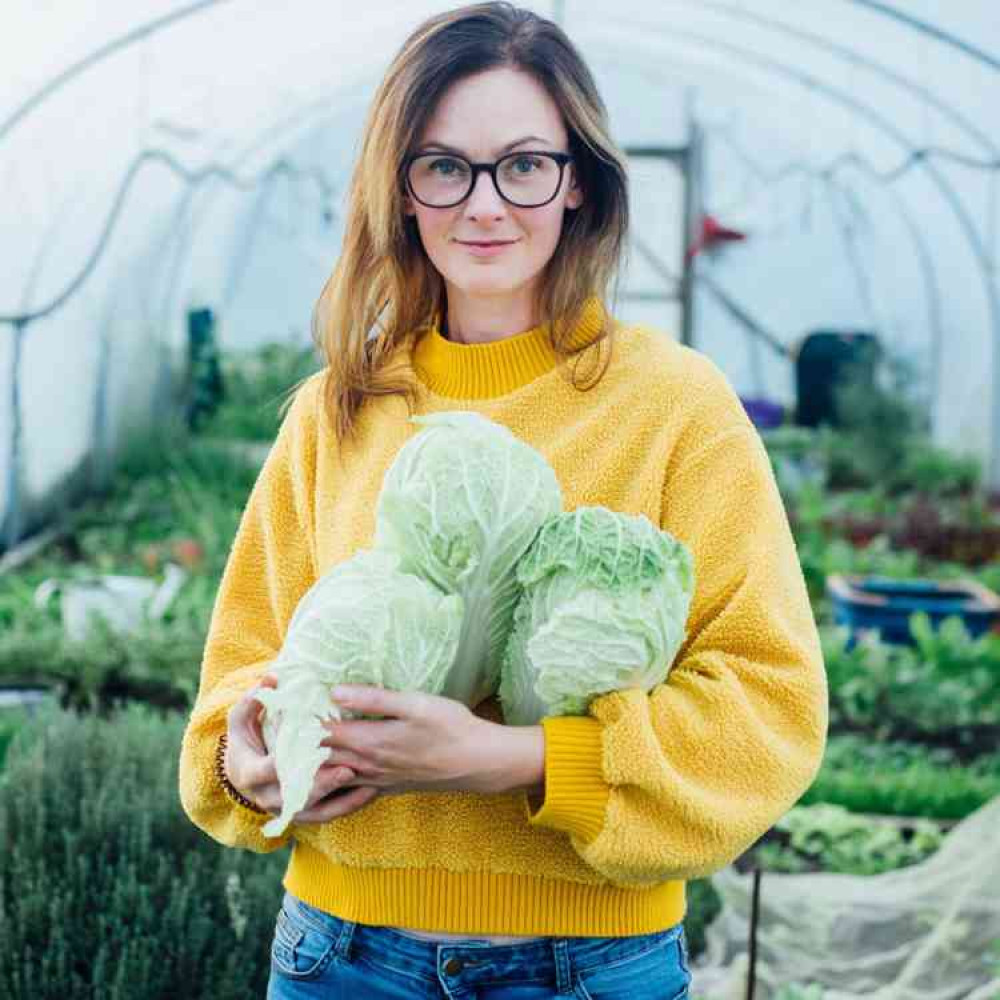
(503, 149)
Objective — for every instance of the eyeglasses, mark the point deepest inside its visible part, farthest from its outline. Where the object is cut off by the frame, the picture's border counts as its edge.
(525, 179)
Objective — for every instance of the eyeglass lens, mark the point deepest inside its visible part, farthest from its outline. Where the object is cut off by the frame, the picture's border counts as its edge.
(525, 179)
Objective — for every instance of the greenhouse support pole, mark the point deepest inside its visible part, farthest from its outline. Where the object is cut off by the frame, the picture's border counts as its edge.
(10, 528)
(691, 220)
(754, 917)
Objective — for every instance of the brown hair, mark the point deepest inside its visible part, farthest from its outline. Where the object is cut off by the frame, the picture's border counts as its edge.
(384, 288)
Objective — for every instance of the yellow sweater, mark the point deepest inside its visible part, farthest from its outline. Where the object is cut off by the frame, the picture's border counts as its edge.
(649, 789)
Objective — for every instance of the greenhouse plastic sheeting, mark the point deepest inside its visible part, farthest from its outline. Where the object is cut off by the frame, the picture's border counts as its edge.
(930, 931)
(161, 156)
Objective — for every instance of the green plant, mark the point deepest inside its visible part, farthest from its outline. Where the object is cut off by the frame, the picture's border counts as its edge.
(257, 382)
(106, 888)
(835, 840)
(937, 472)
(880, 414)
(364, 622)
(167, 501)
(459, 505)
(703, 906)
(947, 683)
(11, 721)
(158, 662)
(902, 779)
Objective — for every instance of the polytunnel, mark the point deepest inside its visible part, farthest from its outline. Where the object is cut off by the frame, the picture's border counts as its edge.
(161, 158)
(767, 734)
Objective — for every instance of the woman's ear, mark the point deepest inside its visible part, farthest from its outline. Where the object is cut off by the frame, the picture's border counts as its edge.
(574, 195)
(408, 208)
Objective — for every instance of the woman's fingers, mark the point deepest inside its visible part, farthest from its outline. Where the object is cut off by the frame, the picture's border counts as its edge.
(244, 719)
(328, 780)
(255, 776)
(338, 805)
(255, 722)
(252, 769)
(339, 757)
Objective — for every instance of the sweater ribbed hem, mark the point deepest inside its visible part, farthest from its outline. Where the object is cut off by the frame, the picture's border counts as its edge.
(480, 902)
(576, 794)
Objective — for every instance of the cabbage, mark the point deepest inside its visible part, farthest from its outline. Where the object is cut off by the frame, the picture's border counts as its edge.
(461, 503)
(604, 606)
(364, 622)
(476, 581)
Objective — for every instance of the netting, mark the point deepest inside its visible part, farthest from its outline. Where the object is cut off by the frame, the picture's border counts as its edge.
(930, 931)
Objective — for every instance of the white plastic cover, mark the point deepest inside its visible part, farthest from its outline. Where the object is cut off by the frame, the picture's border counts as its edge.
(930, 931)
(163, 155)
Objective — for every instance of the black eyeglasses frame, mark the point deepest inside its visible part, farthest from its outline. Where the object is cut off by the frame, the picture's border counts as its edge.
(491, 168)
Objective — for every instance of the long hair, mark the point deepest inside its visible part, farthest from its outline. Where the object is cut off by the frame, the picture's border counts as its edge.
(384, 289)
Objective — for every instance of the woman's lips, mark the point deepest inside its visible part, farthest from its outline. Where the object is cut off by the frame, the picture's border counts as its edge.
(490, 249)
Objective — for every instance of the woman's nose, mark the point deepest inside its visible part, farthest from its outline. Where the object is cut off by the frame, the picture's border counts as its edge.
(484, 198)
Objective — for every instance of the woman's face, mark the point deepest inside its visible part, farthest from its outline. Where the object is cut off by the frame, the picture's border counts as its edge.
(483, 117)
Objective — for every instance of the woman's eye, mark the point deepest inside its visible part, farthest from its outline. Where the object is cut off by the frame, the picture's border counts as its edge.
(525, 164)
(447, 167)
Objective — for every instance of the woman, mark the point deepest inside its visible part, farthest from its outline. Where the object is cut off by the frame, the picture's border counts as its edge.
(441, 852)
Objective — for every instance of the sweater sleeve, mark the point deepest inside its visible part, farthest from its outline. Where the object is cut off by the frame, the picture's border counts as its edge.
(270, 565)
(677, 782)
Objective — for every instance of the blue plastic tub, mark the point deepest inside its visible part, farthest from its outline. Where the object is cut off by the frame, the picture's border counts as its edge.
(885, 605)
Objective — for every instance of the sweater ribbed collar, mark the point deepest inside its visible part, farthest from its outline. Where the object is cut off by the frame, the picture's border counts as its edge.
(485, 371)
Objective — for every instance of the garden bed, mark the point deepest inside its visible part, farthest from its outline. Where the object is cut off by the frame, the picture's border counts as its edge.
(914, 732)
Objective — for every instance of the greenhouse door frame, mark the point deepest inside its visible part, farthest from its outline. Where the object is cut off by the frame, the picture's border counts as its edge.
(687, 160)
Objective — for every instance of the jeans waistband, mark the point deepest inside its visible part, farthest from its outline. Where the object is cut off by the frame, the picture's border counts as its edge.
(556, 957)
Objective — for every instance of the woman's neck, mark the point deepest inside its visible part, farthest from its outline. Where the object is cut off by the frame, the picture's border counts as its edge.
(483, 321)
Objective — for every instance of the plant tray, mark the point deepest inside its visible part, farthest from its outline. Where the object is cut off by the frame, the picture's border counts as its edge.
(885, 605)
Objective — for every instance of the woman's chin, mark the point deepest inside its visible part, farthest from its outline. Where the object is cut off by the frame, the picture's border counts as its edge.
(487, 284)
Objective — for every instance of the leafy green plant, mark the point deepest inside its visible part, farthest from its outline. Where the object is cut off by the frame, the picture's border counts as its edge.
(703, 906)
(832, 839)
(257, 383)
(948, 683)
(176, 501)
(159, 662)
(12, 719)
(106, 888)
(902, 779)
(880, 414)
(934, 471)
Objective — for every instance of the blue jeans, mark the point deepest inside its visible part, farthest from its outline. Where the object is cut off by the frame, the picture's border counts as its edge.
(317, 955)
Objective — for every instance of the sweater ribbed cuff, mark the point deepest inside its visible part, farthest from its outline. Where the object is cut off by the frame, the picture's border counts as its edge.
(576, 794)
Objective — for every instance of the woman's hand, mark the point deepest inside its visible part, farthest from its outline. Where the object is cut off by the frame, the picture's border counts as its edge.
(251, 768)
(423, 743)
(429, 743)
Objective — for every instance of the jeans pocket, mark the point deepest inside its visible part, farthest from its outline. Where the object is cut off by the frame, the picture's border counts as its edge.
(300, 950)
(658, 973)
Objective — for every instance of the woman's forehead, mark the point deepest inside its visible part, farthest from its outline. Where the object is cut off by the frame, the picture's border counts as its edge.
(486, 113)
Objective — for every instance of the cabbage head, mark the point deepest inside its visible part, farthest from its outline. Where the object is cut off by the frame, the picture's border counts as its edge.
(604, 606)
(364, 622)
(460, 504)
